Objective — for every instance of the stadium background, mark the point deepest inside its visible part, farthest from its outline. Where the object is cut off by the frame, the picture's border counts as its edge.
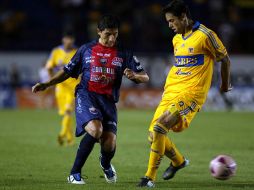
(30, 29)
(29, 155)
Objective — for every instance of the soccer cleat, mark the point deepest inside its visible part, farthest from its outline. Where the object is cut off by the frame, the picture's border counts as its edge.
(60, 140)
(146, 182)
(171, 170)
(109, 174)
(76, 179)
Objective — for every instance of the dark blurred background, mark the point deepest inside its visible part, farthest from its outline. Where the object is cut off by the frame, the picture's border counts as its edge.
(30, 29)
(37, 25)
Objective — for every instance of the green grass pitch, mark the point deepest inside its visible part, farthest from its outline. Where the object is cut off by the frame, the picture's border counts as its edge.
(30, 158)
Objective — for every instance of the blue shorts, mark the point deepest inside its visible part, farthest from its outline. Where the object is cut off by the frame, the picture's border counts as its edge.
(93, 106)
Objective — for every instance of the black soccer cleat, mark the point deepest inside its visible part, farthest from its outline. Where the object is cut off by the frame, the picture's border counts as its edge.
(146, 182)
(171, 170)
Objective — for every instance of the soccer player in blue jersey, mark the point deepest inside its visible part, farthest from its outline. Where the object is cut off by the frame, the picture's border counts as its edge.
(102, 63)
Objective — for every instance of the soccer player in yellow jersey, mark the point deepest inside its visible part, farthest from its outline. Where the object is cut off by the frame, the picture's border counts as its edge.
(64, 92)
(196, 47)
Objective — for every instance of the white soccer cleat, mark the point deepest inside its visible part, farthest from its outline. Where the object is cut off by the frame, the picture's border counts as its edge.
(76, 179)
(109, 174)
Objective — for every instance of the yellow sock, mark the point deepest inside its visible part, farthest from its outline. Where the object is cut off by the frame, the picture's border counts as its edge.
(172, 153)
(66, 124)
(156, 154)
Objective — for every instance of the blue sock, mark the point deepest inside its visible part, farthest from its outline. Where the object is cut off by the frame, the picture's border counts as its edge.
(106, 157)
(85, 147)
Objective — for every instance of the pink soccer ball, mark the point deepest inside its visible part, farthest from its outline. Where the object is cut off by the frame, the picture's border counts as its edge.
(222, 167)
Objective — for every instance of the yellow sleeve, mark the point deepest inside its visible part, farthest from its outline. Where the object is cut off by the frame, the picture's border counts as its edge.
(51, 60)
(214, 45)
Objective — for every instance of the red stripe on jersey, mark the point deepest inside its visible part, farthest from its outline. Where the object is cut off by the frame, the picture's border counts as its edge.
(102, 71)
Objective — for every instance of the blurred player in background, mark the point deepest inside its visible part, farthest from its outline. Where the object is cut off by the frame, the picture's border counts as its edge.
(102, 63)
(64, 92)
(195, 49)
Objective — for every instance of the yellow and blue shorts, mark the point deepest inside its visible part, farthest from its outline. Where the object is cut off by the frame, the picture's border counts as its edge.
(184, 103)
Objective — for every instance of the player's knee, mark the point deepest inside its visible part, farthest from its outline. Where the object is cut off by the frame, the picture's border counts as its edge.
(94, 128)
(169, 119)
(68, 112)
(108, 142)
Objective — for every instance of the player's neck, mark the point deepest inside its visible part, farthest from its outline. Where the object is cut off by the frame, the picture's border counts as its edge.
(67, 49)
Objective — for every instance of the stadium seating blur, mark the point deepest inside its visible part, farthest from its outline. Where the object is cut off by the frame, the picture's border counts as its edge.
(30, 29)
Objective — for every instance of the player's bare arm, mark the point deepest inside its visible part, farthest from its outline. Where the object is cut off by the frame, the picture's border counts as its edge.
(225, 75)
(58, 78)
(140, 77)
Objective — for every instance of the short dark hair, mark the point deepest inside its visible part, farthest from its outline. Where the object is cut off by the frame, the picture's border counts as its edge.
(69, 33)
(108, 21)
(177, 8)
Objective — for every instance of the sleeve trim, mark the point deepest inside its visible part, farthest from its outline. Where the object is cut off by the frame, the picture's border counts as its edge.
(210, 36)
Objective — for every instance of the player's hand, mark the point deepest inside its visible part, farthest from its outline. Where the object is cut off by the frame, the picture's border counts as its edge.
(129, 74)
(224, 89)
(39, 87)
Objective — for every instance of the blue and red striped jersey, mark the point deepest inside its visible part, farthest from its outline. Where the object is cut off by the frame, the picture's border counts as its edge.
(101, 68)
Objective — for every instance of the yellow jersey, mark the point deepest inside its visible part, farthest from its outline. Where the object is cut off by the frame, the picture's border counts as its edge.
(194, 53)
(57, 60)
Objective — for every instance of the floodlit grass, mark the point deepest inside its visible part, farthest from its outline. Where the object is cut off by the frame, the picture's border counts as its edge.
(31, 159)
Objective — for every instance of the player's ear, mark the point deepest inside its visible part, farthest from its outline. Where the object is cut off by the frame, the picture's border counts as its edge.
(183, 17)
(98, 31)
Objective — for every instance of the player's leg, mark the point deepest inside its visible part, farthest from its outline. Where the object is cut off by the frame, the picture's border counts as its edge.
(60, 100)
(93, 134)
(171, 151)
(108, 139)
(69, 105)
(177, 160)
(88, 122)
(165, 122)
(108, 148)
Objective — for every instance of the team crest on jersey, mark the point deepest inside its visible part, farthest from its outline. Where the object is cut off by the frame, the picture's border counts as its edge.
(103, 61)
(191, 50)
(93, 110)
(117, 61)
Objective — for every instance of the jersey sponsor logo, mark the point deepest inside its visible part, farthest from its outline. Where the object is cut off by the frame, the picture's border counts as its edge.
(103, 61)
(104, 70)
(102, 79)
(103, 54)
(180, 72)
(89, 59)
(117, 61)
(189, 61)
(93, 110)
